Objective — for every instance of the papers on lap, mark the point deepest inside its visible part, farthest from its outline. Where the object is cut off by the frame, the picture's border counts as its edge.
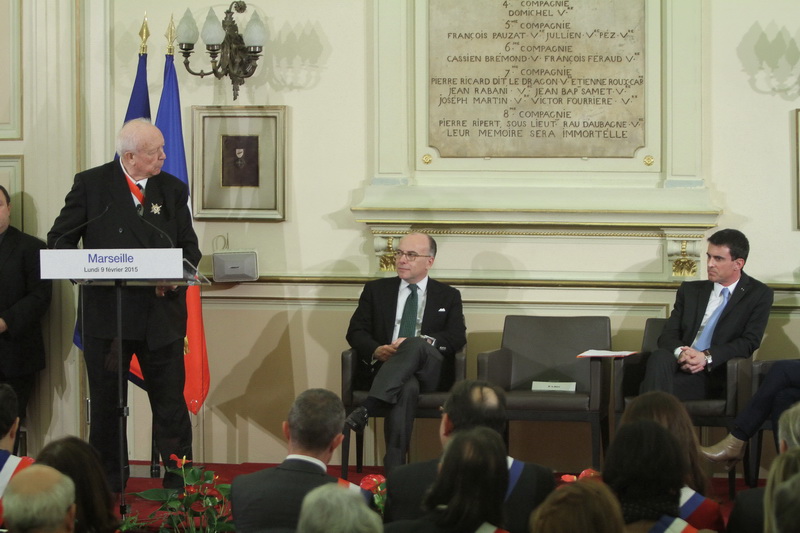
(605, 353)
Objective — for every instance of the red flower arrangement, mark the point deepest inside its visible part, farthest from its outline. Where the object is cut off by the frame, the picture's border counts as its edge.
(376, 484)
(203, 506)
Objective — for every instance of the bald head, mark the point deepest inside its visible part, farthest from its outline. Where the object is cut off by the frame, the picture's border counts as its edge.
(39, 499)
(474, 403)
(140, 146)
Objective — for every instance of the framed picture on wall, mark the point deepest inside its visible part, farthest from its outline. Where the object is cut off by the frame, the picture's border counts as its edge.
(239, 162)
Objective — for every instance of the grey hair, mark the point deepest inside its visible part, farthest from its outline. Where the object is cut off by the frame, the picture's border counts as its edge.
(789, 427)
(334, 509)
(315, 419)
(127, 138)
(786, 512)
(41, 510)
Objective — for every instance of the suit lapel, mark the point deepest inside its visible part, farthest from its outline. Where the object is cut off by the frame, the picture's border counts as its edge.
(432, 300)
(390, 311)
(741, 289)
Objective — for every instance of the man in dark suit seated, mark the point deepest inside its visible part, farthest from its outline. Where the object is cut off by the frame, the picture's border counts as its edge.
(406, 331)
(470, 404)
(270, 499)
(748, 509)
(712, 321)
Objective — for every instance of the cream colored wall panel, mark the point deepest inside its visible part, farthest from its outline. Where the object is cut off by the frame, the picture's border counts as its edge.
(551, 257)
(11, 81)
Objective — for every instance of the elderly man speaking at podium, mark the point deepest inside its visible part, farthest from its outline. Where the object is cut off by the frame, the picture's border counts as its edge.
(130, 203)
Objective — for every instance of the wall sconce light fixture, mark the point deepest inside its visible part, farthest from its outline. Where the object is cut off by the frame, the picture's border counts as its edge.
(238, 54)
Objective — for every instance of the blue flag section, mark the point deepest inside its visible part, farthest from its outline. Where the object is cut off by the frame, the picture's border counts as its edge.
(139, 104)
(168, 121)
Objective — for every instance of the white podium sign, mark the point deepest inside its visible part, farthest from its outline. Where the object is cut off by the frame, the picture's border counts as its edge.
(134, 263)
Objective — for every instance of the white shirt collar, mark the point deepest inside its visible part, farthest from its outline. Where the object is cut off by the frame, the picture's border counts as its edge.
(421, 285)
(308, 459)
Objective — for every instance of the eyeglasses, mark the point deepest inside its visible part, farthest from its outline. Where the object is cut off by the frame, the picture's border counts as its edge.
(411, 256)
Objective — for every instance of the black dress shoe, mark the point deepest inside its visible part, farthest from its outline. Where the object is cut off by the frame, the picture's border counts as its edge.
(357, 420)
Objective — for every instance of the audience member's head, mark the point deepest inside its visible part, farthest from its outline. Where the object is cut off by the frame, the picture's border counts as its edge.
(667, 410)
(78, 460)
(39, 499)
(784, 466)
(789, 428)
(472, 480)
(334, 509)
(786, 512)
(587, 506)
(473, 403)
(315, 422)
(9, 420)
(644, 467)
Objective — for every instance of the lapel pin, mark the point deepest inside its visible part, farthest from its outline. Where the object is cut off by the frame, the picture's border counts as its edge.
(155, 209)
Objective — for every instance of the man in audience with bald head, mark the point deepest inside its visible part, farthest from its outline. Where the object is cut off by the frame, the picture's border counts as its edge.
(40, 499)
(470, 404)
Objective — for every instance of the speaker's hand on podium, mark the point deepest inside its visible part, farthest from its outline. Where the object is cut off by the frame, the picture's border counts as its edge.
(162, 290)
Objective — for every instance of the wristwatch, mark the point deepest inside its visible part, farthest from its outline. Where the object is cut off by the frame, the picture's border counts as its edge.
(709, 359)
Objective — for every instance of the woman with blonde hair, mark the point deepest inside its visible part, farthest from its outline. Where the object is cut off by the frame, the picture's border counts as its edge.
(587, 505)
(667, 411)
(784, 466)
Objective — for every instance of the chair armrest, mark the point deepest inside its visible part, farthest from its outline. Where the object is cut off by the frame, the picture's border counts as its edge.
(628, 376)
(461, 364)
(760, 369)
(738, 384)
(348, 375)
(495, 367)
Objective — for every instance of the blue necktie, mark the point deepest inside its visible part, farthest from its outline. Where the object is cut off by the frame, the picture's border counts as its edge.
(408, 321)
(704, 341)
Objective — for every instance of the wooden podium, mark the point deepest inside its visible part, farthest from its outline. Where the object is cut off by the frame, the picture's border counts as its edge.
(121, 268)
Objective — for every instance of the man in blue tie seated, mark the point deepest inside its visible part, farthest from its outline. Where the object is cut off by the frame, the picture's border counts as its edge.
(712, 321)
(405, 331)
(270, 499)
(470, 404)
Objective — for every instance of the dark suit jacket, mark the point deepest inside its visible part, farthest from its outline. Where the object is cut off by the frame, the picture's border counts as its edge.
(747, 514)
(741, 325)
(24, 298)
(373, 322)
(100, 199)
(407, 485)
(271, 498)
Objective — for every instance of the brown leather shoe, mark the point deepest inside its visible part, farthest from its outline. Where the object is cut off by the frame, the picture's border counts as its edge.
(729, 450)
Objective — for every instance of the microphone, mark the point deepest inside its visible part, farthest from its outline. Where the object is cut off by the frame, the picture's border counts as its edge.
(76, 228)
(161, 231)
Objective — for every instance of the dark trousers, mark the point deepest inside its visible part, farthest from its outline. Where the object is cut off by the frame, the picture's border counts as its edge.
(164, 377)
(663, 373)
(414, 368)
(779, 391)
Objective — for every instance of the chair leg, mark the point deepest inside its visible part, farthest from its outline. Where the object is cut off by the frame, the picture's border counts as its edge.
(345, 453)
(596, 442)
(359, 452)
(752, 459)
(155, 467)
(732, 484)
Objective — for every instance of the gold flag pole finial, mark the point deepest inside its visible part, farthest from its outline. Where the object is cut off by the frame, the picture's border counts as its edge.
(144, 33)
(170, 35)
